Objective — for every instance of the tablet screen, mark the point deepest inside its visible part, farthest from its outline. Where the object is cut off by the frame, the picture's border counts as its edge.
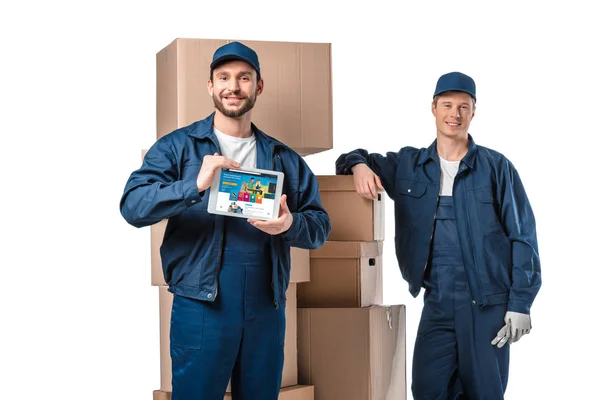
(250, 194)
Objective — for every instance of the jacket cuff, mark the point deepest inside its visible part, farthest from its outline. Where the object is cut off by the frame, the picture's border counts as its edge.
(346, 169)
(520, 306)
(190, 192)
(292, 233)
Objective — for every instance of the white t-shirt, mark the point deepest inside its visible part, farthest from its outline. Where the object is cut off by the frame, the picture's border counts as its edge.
(449, 170)
(242, 150)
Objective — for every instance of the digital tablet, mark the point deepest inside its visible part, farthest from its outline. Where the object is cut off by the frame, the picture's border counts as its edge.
(246, 193)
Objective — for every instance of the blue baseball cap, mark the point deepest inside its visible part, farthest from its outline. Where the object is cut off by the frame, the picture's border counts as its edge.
(455, 82)
(235, 51)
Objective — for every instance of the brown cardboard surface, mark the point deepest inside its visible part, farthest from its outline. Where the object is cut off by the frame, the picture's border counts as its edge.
(295, 106)
(165, 305)
(290, 350)
(344, 274)
(290, 364)
(299, 268)
(353, 218)
(160, 395)
(297, 392)
(353, 353)
(157, 233)
(333, 249)
(300, 265)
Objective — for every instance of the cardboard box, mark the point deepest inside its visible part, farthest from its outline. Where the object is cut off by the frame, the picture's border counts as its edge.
(298, 392)
(353, 353)
(300, 265)
(160, 395)
(299, 269)
(353, 218)
(295, 106)
(344, 274)
(290, 365)
(157, 233)
(290, 350)
(165, 299)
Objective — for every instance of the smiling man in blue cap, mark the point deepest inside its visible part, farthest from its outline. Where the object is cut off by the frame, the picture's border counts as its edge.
(229, 276)
(465, 232)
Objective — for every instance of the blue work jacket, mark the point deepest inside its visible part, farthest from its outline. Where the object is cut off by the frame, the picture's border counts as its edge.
(495, 222)
(165, 187)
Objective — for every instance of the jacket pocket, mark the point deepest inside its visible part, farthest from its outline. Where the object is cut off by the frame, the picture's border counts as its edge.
(410, 199)
(187, 322)
(496, 278)
(411, 188)
(405, 240)
(487, 207)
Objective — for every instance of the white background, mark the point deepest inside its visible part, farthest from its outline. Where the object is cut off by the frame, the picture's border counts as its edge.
(77, 89)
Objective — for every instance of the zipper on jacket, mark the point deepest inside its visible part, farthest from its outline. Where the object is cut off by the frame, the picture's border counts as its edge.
(275, 154)
(470, 240)
(219, 256)
(275, 301)
(432, 233)
(474, 253)
(433, 224)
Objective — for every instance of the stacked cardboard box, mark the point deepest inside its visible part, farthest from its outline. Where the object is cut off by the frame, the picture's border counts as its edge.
(295, 108)
(350, 346)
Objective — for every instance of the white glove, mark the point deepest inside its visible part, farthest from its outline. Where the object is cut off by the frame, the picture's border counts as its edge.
(517, 325)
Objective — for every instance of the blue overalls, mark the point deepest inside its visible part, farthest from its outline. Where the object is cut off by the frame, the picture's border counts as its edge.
(240, 335)
(454, 357)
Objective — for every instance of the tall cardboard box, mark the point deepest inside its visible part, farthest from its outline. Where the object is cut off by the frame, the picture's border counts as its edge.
(290, 364)
(295, 106)
(353, 218)
(298, 392)
(353, 353)
(344, 274)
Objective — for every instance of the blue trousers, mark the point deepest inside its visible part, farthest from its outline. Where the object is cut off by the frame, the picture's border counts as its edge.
(453, 355)
(239, 336)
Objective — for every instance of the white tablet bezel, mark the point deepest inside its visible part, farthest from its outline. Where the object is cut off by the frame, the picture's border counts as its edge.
(214, 191)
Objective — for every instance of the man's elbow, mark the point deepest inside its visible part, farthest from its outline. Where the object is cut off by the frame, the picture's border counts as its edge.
(132, 218)
(324, 232)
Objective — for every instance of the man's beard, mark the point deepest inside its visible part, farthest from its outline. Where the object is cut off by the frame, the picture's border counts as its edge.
(248, 105)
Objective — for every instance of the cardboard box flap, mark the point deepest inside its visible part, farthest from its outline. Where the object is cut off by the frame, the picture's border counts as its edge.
(392, 370)
(384, 330)
(333, 249)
